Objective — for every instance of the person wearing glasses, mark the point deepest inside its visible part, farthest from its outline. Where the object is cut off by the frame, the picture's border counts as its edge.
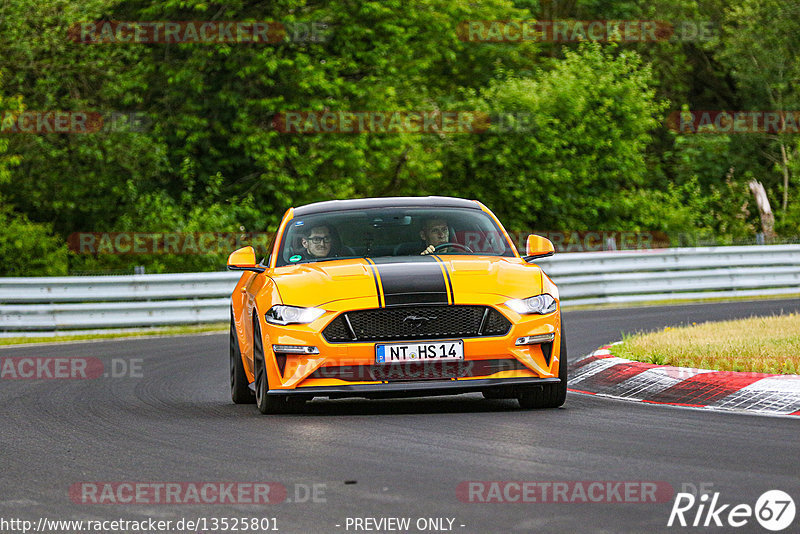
(318, 242)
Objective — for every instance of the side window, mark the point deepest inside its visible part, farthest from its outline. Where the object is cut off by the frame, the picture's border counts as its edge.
(293, 246)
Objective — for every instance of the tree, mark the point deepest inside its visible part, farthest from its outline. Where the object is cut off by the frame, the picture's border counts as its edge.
(761, 49)
(26, 247)
(580, 141)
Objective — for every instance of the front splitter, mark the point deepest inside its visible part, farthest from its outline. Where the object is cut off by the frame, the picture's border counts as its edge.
(415, 387)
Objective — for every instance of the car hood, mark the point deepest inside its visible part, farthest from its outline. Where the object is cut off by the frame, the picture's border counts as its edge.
(408, 280)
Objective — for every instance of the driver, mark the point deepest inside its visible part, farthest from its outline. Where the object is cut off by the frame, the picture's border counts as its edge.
(434, 233)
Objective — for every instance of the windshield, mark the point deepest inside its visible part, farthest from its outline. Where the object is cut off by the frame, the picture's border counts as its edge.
(383, 232)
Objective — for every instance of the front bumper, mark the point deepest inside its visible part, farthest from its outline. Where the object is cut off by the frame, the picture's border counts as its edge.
(499, 360)
(415, 388)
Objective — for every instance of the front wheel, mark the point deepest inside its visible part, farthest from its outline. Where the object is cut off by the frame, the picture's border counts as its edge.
(267, 404)
(240, 390)
(551, 395)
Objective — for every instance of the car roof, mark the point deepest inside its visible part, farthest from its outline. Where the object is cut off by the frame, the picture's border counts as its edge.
(385, 202)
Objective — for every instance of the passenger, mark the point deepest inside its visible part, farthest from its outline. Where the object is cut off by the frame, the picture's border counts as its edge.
(318, 242)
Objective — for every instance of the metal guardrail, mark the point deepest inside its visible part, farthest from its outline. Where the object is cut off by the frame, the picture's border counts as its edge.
(136, 287)
(65, 303)
(680, 273)
(113, 314)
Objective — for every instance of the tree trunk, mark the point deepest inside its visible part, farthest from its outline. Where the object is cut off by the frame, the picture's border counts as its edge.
(764, 209)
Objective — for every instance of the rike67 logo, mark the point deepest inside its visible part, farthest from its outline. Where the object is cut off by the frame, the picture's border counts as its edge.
(774, 510)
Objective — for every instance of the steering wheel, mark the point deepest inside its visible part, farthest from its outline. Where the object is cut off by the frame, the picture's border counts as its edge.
(457, 245)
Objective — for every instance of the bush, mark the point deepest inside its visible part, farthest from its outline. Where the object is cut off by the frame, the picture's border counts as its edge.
(28, 248)
(588, 123)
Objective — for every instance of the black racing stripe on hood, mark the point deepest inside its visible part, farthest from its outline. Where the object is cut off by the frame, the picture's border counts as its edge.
(449, 282)
(415, 280)
(375, 277)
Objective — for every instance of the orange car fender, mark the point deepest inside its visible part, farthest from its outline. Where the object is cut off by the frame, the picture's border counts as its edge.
(549, 287)
(253, 296)
(265, 294)
(239, 303)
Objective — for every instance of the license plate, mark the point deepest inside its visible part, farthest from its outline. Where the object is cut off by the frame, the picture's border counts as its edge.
(426, 351)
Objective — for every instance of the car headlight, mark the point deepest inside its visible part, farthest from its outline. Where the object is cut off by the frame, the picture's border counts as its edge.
(540, 304)
(283, 315)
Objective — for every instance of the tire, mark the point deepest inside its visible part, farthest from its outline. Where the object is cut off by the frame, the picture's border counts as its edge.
(267, 404)
(240, 390)
(551, 395)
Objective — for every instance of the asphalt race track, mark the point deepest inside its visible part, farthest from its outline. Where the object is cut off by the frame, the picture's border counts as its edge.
(385, 458)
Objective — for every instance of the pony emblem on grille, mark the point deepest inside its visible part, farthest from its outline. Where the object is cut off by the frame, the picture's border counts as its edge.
(415, 322)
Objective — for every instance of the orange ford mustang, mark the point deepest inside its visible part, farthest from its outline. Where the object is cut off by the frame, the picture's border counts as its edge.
(391, 297)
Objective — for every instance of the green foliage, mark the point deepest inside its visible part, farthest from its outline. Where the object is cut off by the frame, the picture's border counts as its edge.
(584, 127)
(26, 248)
(77, 182)
(589, 149)
(7, 161)
(29, 248)
(720, 206)
(761, 50)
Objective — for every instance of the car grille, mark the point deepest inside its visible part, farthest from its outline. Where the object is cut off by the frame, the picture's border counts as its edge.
(416, 322)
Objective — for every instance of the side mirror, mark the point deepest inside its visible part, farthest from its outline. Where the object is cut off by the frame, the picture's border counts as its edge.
(538, 247)
(244, 259)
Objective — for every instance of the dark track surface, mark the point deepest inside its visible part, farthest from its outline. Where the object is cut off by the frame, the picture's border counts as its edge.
(406, 457)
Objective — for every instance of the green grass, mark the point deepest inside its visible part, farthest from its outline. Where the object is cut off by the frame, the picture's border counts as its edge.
(675, 302)
(158, 331)
(758, 344)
